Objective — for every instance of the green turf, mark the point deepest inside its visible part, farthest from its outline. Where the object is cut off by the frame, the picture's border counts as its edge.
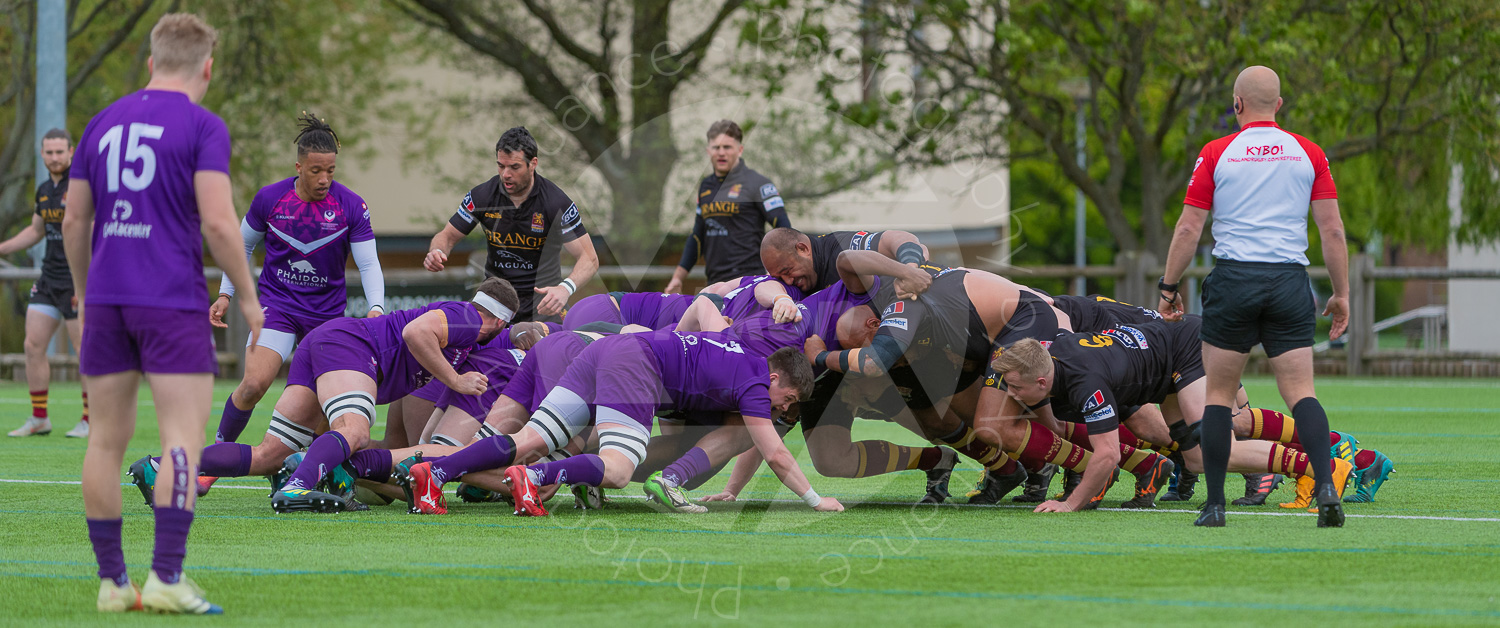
(777, 563)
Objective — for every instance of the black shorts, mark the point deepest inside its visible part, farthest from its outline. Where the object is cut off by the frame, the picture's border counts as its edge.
(1033, 318)
(1187, 352)
(56, 293)
(1249, 303)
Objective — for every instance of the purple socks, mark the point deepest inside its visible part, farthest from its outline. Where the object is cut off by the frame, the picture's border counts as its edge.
(327, 451)
(174, 520)
(490, 453)
(692, 463)
(105, 536)
(372, 464)
(226, 460)
(587, 469)
(233, 422)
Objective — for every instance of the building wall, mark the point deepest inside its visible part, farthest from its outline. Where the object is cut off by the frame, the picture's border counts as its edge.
(1472, 303)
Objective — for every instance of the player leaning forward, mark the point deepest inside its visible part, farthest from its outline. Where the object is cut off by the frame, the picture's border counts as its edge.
(310, 225)
(155, 165)
(1258, 183)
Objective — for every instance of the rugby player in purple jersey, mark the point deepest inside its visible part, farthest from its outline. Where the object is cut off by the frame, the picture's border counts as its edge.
(656, 310)
(149, 187)
(617, 384)
(311, 225)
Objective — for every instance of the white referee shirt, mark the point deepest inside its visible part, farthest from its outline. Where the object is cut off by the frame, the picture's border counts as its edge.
(1259, 182)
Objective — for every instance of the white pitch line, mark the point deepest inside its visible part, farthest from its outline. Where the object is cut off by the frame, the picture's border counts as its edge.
(889, 503)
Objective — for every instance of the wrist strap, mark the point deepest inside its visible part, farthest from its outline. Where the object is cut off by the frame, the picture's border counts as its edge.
(227, 295)
(1161, 284)
(822, 360)
(570, 286)
(811, 498)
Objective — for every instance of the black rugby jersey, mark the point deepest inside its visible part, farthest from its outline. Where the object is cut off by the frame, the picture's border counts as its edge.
(1099, 376)
(826, 249)
(1098, 313)
(522, 249)
(732, 212)
(51, 202)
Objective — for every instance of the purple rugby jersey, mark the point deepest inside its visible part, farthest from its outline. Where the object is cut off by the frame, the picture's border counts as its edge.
(759, 334)
(307, 246)
(711, 371)
(741, 302)
(400, 373)
(139, 156)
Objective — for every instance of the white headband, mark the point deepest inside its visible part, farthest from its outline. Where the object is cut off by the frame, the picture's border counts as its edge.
(493, 306)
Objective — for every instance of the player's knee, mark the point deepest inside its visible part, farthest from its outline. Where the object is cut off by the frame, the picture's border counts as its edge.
(35, 345)
(251, 391)
(834, 466)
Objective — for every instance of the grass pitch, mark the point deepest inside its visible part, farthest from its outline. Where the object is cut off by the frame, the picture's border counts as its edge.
(1427, 552)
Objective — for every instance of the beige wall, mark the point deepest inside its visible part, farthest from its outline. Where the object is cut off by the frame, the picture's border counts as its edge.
(1471, 303)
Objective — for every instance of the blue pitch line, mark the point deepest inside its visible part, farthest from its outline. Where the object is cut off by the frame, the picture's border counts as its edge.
(1410, 409)
(981, 595)
(897, 536)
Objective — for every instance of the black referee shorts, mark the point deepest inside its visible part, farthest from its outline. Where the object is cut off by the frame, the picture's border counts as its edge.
(1245, 303)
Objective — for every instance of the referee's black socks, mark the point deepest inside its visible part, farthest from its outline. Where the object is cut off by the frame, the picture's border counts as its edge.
(1312, 430)
(1217, 437)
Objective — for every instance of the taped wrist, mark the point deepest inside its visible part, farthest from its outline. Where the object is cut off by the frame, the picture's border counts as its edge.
(910, 253)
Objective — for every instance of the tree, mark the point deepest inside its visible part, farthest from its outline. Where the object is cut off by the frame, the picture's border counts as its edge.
(1389, 79)
(606, 72)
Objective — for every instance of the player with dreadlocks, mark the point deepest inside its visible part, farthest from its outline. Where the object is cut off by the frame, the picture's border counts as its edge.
(310, 225)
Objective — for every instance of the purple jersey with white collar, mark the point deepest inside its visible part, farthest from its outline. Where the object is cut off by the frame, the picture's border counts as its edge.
(400, 373)
(710, 371)
(139, 157)
(761, 335)
(741, 302)
(656, 310)
(307, 245)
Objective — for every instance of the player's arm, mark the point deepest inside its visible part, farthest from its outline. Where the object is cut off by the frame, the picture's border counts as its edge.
(370, 275)
(555, 298)
(1184, 245)
(745, 466)
(1336, 256)
(768, 443)
(772, 206)
(856, 267)
(689, 255)
(702, 315)
(78, 234)
(1101, 465)
(442, 244)
(902, 246)
(772, 294)
(722, 288)
(221, 230)
(220, 306)
(425, 338)
(27, 238)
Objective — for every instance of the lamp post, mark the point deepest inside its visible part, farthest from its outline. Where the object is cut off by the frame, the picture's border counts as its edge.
(1079, 90)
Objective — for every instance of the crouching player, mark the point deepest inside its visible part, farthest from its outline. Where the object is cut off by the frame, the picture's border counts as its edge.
(618, 383)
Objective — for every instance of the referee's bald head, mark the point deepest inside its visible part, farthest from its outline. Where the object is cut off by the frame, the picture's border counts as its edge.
(1259, 90)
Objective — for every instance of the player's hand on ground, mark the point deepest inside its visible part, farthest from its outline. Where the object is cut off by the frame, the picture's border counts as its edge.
(472, 383)
(1053, 505)
(673, 287)
(1338, 308)
(785, 310)
(217, 311)
(725, 496)
(812, 347)
(914, 282)
(255, 317)
(551, 300)
(829, 504)
(435, 260)
(525, 335)
(1170, 311)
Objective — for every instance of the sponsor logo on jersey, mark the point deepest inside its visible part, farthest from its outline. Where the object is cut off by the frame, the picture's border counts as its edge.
(719, 208)
(714, 229)
(510, 261)
(1263, 151)
(858, 241)
(302, 273)
(570, 219)
(117, 229)
(734, 191)
(1102, 414)
(329, 215)
(1095, 400)
(1128, 336)
(894, 308)
(366, 209)
(466, 208)
(774, 203)
(538, 223)
(898, 323)
(768, 190)
(507, 240)
(705, 193)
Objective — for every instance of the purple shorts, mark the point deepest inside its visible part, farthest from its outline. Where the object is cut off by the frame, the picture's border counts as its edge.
(477, 406)
(280, 319)
(149, 339)
(622, 375)
(338, 345)
(543, 367)
(433, 391)
(593, 309)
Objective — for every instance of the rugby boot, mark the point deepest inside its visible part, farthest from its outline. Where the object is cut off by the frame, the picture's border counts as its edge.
(426, 492)
(33, 427)
(1258, 487)
(587, 497)
(364, 495)
(339, 480)
(401, 471)
(1305, 485)
(143, 475)
(1345, 447)
(1071, 479)
(669, 495)
(471, 494)
(937, 477)
(205, 482)
(184, 598)
(117, 599)
(81, 430)
(1093, 503)
(995, 487)
(1330, 507)
(1212, 516)
(1037, 484)
(1181, 489)
(294, 499)
(523, 493)
(288, 467)
(1148, 483)
(1371, 478)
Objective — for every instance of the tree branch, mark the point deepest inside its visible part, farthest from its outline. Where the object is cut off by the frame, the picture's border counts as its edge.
(72, 32)
(692, 55)
(593, 60)
(119, 37)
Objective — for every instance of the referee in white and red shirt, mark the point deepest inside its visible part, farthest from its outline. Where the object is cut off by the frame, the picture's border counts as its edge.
(1258, 184)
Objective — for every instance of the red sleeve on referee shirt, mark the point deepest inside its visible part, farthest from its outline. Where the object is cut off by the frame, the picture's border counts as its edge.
(1322, 187)
(1200, 192)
